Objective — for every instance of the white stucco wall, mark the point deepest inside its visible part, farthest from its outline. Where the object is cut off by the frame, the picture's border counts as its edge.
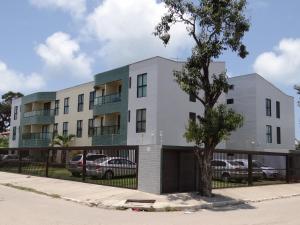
(149, 102)
(167, 106)
(15, 123)
(249, 94)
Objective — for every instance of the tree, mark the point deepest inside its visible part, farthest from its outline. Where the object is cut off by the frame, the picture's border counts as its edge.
(3, 142)
(62, 141)
(5, 109)
(215, 26)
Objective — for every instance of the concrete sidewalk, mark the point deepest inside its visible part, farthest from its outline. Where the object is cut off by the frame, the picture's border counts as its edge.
(117, 198)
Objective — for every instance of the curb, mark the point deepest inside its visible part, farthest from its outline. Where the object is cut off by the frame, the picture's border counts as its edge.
(121, 205)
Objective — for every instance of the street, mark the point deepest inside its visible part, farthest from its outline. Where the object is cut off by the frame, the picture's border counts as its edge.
(26, 208)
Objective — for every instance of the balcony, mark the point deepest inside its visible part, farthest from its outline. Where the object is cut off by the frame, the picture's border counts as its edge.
(107, 104)
(106, 99)
(36, 139)
(38, 117)
(108, 135)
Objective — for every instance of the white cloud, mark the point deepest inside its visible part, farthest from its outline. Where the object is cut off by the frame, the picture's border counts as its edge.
(282, 65)
(76, 8)
(16, 81)
(62, 58)
(125, 31)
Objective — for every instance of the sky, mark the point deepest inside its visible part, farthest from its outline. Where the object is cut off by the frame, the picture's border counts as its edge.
(46, 45)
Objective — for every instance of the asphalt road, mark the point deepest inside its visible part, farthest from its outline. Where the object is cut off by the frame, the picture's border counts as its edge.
(24, 208)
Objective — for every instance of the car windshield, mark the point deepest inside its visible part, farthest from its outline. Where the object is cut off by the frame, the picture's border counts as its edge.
(258, 164)
(94, 157)
(101, 160)
(76, 158)
(234, 163)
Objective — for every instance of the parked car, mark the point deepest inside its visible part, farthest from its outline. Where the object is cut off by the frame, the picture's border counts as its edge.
(257, 172)
(268, 171)
(9, 159)
(75, 164)
(111, 167)
(226, 170)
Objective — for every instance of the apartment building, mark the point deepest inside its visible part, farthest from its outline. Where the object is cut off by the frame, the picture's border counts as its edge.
(141, 104)
(137, 104)
(268, 115)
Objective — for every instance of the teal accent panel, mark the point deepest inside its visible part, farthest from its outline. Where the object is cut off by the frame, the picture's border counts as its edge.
(34, 143)
(122, 74)
(39, 96)
(117, 139)
(38, 120)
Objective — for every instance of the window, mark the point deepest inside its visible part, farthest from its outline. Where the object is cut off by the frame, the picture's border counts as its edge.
(80, 103)
(142, 85)
(192, 97)
(269, 134)
(129, 82)
(278, 135)
(277, 109)
(92, 99)
(268, 107)
(16, 112)
(230, 101)
(141, 120)
(192, 116)
(65, 129)
(91, 127)
(55, 129)
(128, 116)
(66, 105)
(56, 107)
(14, 133)
(79, 128)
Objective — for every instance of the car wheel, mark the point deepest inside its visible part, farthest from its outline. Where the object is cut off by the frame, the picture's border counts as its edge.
(265, 176)
(75, 174)
(225, 177)
(109, 175)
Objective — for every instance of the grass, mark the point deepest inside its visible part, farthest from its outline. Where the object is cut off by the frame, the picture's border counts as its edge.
(63, 173)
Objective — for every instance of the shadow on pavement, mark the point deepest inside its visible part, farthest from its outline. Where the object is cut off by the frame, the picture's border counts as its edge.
(218, 202)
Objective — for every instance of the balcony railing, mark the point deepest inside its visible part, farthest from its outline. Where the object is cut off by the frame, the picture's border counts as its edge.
(44, 112)
(37, 136)
(101, 100)
(106, 130)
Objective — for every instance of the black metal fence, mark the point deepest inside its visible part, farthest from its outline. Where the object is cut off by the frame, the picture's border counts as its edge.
(105, 165)
(230, 168)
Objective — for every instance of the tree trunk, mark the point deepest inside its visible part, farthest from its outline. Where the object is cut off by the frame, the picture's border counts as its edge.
(205, 176)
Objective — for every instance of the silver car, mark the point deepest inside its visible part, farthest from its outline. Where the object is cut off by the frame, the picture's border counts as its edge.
(76, 163)
(111, 167)
(226, 170)
(268, 171)
(257, 172)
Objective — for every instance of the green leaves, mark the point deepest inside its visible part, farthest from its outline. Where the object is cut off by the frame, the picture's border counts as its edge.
(214, 127)
(63, 140)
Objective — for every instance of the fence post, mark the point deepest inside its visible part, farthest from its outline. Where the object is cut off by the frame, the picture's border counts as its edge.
(84, 166)
(250, 169)
(287, 168)
(47, 164)
(20, 162)
(137, 166)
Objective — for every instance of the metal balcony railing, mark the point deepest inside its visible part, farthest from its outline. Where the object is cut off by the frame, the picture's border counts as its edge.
(106, 130)
(101, 100)
(37, 136)
(44, 112)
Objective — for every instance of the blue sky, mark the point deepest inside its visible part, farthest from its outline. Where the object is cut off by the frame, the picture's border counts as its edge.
(53, 44)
